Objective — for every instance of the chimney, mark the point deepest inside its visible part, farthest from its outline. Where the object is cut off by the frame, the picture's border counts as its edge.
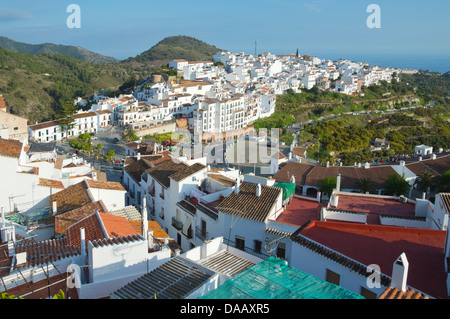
(3, 219)
(138, 156)
(338, 183)
(334, 200)
(319, 194)
(366, 165)
(236, 186)
(83, 244)
(292, 179)
(433, 156)
(150, 238)
(328, 163)
(424, 195)
(441, 150)
(420, 158)
(258, 190)
(400, 273)
(55, 206)
(402, 163)
(144, 218)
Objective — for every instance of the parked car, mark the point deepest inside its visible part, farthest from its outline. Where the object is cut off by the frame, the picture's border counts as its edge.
(118, 165)
(116, 140)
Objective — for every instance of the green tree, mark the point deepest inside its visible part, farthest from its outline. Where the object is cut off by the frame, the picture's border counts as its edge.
(99, 146)
(396, 185)
(65, 118)
(444, 183)
(426, 180)
(327, 185)
(365, 185)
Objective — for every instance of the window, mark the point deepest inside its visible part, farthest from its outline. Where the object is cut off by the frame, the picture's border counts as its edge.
(366, 293)
(240, 243)
(258, 245)
(281, 250)
(333, 277)
(203, 228)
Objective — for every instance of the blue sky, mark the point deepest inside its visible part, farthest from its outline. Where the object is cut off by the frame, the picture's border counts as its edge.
(328, 28)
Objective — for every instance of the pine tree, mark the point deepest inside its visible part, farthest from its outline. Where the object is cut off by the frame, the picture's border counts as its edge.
(65, 119)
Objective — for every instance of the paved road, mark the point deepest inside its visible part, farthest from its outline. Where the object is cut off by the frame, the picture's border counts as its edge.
(106, 139)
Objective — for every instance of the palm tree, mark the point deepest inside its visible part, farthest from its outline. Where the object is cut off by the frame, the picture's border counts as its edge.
(426, 180)
(365, 185)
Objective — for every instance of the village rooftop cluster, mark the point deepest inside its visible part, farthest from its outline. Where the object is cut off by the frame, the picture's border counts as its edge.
(176, 227)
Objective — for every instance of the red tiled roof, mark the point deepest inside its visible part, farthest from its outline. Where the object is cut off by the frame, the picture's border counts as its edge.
(394, 293)
(105, 185)
(50, 183)
(382, 245)
(374, 206)
(2, 102)
(72, 197)
(10, 148)
(299, 211)
(65, 220)
(248, 205)
(95, 226)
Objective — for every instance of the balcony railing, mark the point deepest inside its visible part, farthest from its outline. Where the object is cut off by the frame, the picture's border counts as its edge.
(200, 234)
(176, 223)
(248, 250)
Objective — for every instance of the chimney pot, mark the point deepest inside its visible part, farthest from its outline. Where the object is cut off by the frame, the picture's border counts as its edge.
(400, 273)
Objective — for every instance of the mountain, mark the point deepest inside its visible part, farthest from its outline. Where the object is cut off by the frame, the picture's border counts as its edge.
(78, 53)
(176, 47)
(36, 86)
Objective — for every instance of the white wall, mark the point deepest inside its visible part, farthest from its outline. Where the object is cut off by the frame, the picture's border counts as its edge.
(117, 261)
(317, 265)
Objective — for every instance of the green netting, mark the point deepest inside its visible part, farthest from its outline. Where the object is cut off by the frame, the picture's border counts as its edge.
(274, 279)
(28, 218)
(288, 189)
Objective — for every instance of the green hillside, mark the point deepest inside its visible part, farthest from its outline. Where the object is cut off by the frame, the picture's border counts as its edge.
(177, 47)
(36, 86)
(78, 53)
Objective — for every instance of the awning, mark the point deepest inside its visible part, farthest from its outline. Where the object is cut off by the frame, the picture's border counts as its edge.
(186, 226)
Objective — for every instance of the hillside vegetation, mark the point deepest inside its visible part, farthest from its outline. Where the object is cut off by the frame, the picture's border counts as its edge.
(78, 53)
(171, 48)
(36, 86)
(37, 83)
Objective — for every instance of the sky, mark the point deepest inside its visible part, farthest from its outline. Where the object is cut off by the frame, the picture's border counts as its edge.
(411, 32)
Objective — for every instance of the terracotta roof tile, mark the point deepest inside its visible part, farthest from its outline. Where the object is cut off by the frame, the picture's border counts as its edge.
(46, 251)
(50, 183)
(65, 220)
(248, 205)
(10, 148)
(72, 197)
(105, 185)
(222, 179)
(169, 169)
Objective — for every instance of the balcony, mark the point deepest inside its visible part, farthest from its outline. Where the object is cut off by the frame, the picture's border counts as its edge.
(161, 195)
(176, 223)
(200, 234)
(248, 250)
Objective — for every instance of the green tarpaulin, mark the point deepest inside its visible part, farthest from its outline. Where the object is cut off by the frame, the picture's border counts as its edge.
(274, 279)
(288, 189)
